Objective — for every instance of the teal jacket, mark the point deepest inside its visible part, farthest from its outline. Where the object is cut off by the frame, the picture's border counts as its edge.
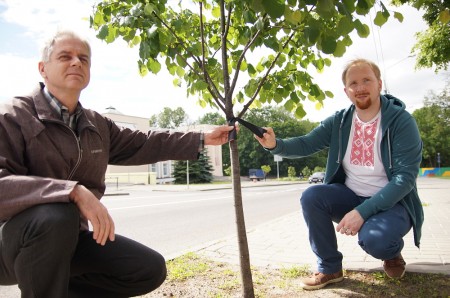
(401, 153)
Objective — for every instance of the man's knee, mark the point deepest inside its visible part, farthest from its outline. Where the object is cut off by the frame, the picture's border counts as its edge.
(157, 272)
(379, 247)
(309, 196)
(58, 223)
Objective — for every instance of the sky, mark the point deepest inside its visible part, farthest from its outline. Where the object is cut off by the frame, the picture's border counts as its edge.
(115, 81)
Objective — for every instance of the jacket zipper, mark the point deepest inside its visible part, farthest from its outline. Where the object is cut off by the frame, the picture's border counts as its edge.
(389, 149)
(80, 150)
(80, 155)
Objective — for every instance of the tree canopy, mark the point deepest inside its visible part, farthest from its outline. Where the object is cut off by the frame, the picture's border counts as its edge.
(433, 45)
(169, 118)
(272, 44)
(433, 121)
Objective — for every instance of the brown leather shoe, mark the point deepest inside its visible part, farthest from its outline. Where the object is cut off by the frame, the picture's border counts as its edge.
(395, 268)
(319, 280)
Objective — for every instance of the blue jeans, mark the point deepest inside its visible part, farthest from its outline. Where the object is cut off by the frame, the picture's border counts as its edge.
(381, 235)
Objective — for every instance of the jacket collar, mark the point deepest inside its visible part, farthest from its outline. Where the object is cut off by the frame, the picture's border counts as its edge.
(45, 112)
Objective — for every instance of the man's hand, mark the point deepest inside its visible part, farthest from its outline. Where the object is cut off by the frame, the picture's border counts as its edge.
(350, 223)
(219, 135)
(94, 211)
(268, 140)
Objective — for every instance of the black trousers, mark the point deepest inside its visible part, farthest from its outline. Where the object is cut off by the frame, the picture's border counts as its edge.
(43, 251)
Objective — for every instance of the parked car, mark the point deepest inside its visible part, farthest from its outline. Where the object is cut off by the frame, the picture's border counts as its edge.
(317, 177)
(256, 174)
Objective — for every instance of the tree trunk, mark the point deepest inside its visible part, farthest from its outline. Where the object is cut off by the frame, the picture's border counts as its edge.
(244, 256)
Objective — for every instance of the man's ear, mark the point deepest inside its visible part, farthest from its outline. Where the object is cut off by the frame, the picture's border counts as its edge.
(41, 67)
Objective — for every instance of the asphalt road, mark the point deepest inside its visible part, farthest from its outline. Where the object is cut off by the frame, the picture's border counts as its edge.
(172, 222)
(176, 221)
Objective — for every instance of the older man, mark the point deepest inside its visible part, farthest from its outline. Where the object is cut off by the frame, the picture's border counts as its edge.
(53, 159)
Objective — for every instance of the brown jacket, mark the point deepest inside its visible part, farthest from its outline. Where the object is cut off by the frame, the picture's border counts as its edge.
(42, 159)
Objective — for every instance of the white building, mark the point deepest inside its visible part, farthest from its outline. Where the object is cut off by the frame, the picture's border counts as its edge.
(160, 172)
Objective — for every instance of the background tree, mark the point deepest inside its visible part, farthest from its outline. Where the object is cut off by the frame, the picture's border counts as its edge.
(213, 118)
(169, 118)
(306, 172)
(291, 172)
(252, 155)
(266, 169)
(200, 171)
(433, 44)
(433, 121)
(271, 44)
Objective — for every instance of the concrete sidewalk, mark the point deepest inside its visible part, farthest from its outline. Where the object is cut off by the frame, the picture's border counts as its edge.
(284, 242)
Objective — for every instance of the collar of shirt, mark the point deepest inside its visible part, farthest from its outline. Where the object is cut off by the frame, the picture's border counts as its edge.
(62, 110)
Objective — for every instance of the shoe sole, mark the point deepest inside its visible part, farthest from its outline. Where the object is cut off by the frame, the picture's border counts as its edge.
(396, 277)
(331, 281)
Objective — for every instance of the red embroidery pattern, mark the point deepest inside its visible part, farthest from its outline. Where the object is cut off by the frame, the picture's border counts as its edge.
(362, 153)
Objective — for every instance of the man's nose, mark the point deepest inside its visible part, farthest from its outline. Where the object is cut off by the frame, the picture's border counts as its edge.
(76, 61)
(360, 87)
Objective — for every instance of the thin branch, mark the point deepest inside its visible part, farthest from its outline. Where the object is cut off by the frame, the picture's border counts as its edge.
(225, 70)
(241, 58)
(264, 78)
(216, 95)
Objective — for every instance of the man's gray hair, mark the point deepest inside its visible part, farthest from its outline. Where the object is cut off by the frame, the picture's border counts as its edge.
(48, 46)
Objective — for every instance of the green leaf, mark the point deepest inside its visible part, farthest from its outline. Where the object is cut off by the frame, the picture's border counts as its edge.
(362, 29)
(340, 49)
(444, 16)
(329, 94)
(136, 40)
(201, 85)
(272, 43)
(216, 12)
(328, 44)
(153, 65)
(398, 16)
(259, 24)
(294, 97)
(103, 32)
(312, 33)
(344, 26)
(251, 70)
(293, 17)
(275, 8)
(300, 112)
(143, 70)
(289, 105)
(176, 82)
(314, 90)
(149, 9)
(325, 8)
(98, 19)
(180, 71)
(363, 6)
(380, 19)
(249, 17)
(349, 5)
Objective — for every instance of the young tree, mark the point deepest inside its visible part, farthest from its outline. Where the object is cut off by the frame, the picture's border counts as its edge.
(270, 44)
